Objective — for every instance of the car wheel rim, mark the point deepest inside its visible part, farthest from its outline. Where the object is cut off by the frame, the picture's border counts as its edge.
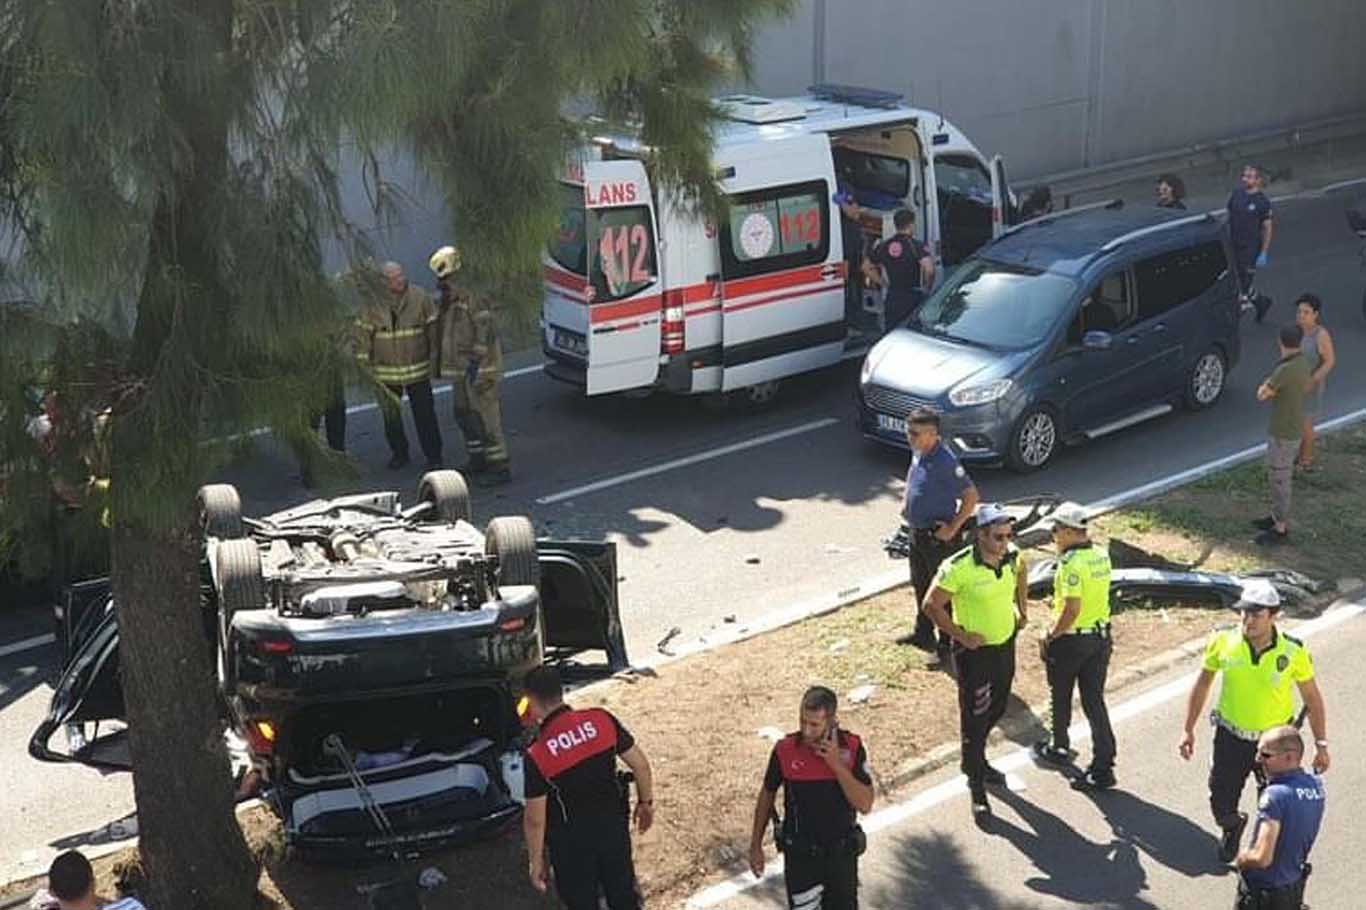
(1037, 438)
(1209, 378)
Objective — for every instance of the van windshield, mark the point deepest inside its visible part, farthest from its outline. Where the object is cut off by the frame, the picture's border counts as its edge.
(996, 306)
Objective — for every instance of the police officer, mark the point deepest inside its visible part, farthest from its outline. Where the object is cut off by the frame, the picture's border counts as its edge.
(1076, 649)
(572, 790)
(399, 338)
(908, 266)
(1250, 227)
(471, 355)
(823, 771)
(1260, 665)
(939, 500)
(1274, 866)
(986, 584)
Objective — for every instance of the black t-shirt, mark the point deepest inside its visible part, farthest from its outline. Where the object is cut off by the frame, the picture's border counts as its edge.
(1246, 213)
(900, 255)
(814, 806)
(573, 762)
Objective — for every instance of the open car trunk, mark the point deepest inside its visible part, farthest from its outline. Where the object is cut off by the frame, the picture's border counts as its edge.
(440, 767)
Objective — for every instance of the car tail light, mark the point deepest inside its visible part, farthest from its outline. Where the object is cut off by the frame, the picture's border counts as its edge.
(671, 333)
(512, 625)
(261, 736)
(271, 646)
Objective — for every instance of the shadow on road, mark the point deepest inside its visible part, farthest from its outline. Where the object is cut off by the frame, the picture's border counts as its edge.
(1173, 840)
(21, 673)
(117, 830)
(930, 870)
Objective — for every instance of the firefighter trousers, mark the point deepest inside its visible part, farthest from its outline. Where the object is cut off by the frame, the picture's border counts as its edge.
(424, 418)
(479, 415)
(592, 862)
(985, 676)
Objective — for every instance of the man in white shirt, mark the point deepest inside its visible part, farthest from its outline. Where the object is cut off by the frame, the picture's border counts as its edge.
(71, 886)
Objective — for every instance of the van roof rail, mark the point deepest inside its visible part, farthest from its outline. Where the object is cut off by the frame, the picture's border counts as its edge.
(1050, 217)
(1154, 229)
(855, 94)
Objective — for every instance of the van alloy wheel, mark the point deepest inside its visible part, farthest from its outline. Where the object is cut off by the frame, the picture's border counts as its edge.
(1208, 380)
(1037, 439)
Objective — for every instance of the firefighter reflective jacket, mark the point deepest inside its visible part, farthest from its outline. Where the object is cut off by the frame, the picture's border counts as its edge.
(396, 336)
(468, 333)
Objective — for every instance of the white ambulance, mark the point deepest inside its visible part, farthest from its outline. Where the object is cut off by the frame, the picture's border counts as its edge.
(640, 294)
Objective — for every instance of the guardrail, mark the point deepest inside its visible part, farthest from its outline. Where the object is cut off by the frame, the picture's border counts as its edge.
(1235, 150)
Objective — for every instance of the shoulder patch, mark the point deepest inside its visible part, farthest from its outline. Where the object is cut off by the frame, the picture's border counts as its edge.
(959, 472)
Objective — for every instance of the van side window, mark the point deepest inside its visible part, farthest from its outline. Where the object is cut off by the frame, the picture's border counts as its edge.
(1106, 309)
(1170, 279)
(776, 228)
(963, 188)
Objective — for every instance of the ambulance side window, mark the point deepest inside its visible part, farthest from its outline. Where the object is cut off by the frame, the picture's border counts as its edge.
(776, 228)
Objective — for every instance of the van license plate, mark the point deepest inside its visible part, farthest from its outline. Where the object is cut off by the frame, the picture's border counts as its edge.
(574, 344)
(890, 424)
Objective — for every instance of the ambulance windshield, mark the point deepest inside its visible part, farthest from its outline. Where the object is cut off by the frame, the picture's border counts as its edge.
(996, 306)
(567, 246)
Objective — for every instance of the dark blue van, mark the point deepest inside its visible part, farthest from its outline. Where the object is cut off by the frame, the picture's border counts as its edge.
(1068, 327)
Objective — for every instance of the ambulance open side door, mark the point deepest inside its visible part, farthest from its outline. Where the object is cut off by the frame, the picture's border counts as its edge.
(625, 291)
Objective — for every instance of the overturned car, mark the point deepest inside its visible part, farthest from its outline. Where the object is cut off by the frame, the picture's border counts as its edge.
(369, 658)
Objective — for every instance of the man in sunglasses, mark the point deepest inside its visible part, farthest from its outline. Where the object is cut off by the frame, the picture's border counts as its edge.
(1274, 866)
(1076, 650)
(1261, 667)
(986, 584)
(940, 497)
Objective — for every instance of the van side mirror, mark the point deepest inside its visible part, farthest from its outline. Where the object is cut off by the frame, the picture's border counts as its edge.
(1097, 341)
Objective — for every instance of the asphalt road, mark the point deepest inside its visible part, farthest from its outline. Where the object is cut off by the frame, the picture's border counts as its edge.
(1147, 845)
(797, 514)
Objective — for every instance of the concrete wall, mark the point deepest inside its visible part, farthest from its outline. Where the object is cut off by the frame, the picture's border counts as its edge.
(1062, 84)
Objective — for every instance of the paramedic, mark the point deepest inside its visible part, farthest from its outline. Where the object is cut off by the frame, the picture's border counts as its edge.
(909, 269)
(823, 772)
(573, 803)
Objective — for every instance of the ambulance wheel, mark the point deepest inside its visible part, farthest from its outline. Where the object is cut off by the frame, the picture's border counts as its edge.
(220, 511)
(512, 539)
(448, 493)
(757, 397)
(1034, 441)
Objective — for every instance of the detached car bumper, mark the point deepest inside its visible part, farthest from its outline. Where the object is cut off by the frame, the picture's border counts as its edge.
(979, 434)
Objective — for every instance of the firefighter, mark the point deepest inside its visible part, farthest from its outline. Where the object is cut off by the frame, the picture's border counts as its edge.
(573, 802)
(471, 355)
(399, 339)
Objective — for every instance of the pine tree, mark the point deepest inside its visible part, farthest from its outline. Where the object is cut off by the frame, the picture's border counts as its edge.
(169, 175)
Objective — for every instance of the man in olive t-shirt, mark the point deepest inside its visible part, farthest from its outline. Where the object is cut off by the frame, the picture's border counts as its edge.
(1285, 388)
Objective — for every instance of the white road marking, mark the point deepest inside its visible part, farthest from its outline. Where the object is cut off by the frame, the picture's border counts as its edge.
(27, 644)
(1019, 759)
(686, 461)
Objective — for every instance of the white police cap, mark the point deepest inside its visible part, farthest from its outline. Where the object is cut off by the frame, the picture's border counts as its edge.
(1258, 594)
(991, 513)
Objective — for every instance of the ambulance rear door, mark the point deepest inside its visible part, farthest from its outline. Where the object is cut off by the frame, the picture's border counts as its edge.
(624, 289)
(782, 265)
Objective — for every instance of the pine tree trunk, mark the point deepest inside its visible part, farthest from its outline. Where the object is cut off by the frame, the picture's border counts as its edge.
(192, 848)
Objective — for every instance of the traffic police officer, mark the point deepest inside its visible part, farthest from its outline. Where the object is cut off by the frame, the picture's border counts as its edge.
(399, 339)
(571, 783)
(1275, 865)
(823, 771)
(909, 268)
(472, 356)
(986, 584)
(1076, 650)
(939, 500)
(1260, 664)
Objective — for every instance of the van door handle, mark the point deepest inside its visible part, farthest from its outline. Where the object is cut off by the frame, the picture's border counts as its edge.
(1159, 328)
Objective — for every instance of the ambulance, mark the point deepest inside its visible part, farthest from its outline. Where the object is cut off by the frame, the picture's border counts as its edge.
(643, 294)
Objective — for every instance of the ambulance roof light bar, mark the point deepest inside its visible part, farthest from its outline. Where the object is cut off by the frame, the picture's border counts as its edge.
(855, 94)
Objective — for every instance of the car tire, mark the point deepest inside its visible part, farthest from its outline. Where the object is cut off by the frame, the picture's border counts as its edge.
(240, 586)
(1034, 441)
(1206, 380)
(220, 511)
(512, 539)
(448, 492)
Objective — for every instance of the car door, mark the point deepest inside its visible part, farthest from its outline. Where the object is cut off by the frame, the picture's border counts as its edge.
(579, 600)
(1097, 358)
(88, 701)
(79, 612)
(624, 290)
(967, 202)
(1164, 325)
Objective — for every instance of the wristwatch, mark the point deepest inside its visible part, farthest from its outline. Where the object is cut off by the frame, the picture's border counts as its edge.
(1321, 743)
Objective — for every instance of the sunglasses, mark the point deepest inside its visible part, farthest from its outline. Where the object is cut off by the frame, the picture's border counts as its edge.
(1264, 754)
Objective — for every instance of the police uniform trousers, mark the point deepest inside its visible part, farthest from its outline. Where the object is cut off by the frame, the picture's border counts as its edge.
(927, 552)
(1289, 897)
(424, 418)
(820, 877)
(594, 859)
(1082, 662)
(1234, 759)
(479, 415)
(985, 676)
